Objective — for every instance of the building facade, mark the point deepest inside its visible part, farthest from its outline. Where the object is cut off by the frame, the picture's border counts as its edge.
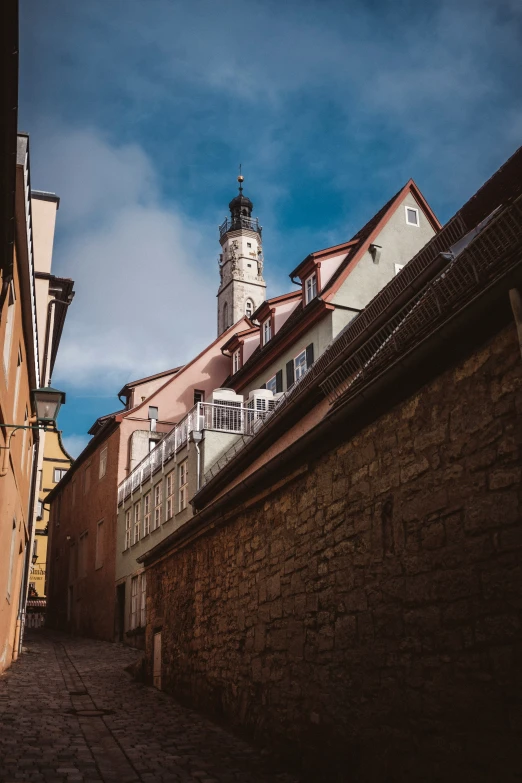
(349, 590)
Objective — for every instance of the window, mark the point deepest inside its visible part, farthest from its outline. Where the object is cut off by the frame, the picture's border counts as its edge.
(11, 560)
(8, 336)
(58, 474)
(412, 216)
(157, 506)
(146, 514)
(249, 308)
(17, 382)
(267, 331)
(297, 367)
(183, 482)
(82, 555)
(300, 365)
(99, 545)
(143, 607)
(310, 288)
(128, 516)
(103, 463)
(136, 522)
(199, 396)
(87, 479)
(39, 509)
(236, 360)
(271, 385)
(135, 597)
(170, 495)
(398, 268)
(249, 244)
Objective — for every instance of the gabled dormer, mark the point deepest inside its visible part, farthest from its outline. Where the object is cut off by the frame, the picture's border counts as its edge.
(273, 313)
(240, 348)
(318, 268)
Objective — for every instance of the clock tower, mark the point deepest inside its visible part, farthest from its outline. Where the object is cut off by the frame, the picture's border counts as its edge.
(242, 286)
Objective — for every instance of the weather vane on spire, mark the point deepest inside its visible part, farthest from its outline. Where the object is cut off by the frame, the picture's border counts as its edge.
(240, 179)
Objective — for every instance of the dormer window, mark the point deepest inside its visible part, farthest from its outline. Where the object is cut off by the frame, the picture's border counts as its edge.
(236, 361)
(310, 288)
(267, 331)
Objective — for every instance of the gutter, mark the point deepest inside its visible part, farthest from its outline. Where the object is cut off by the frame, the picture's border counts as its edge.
(349, 417)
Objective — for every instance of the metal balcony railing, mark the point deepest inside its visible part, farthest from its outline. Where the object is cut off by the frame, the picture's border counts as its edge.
(252, 224)
(226, 416)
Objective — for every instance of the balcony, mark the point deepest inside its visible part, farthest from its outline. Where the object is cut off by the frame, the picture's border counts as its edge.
(242, 222)
(227, 417)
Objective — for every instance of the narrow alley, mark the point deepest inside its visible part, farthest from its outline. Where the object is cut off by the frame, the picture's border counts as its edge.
(70, 712)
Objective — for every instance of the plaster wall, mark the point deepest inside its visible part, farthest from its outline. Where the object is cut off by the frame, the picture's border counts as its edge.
(399, 242)
(142, 391)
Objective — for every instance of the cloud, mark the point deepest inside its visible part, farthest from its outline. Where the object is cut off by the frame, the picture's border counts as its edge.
(145, 285)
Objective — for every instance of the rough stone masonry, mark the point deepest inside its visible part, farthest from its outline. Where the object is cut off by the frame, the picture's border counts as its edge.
(365, 617)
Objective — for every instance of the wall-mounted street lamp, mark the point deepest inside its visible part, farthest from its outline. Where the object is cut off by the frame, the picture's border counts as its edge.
(46, 404)
(34, 558)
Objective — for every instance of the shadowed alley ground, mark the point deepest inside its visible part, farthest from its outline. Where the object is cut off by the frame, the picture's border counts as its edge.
(69, 712)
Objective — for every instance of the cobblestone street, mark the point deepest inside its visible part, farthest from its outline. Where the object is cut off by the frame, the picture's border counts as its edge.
(69, 712)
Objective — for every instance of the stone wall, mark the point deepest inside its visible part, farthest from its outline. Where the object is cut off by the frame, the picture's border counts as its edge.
(365, 617)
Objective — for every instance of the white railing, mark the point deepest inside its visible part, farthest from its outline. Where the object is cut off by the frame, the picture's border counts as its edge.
(232, 417)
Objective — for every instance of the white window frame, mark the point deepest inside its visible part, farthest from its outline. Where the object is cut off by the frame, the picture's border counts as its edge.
(100, 545)
(236, 361)
(271, 384)
(158, 498)
(128, 528)
(137, 509)
(267, 330)
(311, 290)
(146, 514)
(170, 489)
(103, 463)
(183, 485)
(61, 473)
(413, 209)
(300, 369)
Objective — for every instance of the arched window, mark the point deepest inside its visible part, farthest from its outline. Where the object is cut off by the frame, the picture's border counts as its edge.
(225, 315)
(249, 308)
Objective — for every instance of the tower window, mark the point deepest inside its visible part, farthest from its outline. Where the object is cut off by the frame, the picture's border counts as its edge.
(249, 244)
(249, 308)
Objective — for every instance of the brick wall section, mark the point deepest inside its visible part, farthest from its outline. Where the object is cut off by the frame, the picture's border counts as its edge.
(366, 617)
(93, 604)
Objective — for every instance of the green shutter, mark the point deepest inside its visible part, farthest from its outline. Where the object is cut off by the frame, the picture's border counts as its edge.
(279, 381)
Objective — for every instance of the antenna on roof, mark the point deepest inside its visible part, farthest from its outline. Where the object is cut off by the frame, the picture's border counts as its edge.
(240, 179)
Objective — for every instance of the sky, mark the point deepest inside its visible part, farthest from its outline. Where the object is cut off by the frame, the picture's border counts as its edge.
(140, 111)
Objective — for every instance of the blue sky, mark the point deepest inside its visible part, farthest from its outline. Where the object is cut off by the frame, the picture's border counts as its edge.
(139, 113)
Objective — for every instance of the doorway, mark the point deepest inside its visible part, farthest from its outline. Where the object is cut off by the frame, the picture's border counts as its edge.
(156, 665)
(120, 612)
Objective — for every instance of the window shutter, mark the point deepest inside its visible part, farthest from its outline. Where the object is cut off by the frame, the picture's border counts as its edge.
(279, 381)
(309, 355)
(290, 377)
